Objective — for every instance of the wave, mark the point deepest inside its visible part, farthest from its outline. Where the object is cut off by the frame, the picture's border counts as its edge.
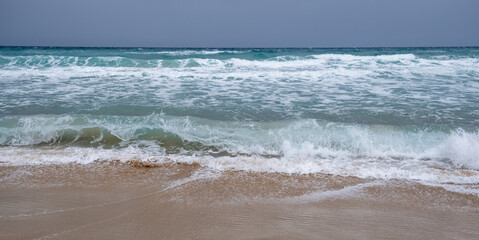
(386, 88)
(156, 59)
(408, 114)
(189, 52)
(288, 140)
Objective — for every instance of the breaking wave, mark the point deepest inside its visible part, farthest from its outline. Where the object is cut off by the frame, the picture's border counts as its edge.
(314, 140)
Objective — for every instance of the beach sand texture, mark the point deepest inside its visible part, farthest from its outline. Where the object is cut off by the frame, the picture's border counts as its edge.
(113, 200)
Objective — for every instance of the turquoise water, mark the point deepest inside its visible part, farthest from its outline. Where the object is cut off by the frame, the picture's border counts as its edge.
(311, 110)
(421, 87)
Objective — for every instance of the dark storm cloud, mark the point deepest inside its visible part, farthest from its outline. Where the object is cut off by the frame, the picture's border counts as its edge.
(239, 23)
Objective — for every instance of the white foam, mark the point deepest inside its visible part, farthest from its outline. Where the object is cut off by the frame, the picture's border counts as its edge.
(321, 81)
(471, 189)
(407, 169)
(187, 52)
(303, 146)
(346, 192)
(293, 148)
(435, 89)
(462, 148)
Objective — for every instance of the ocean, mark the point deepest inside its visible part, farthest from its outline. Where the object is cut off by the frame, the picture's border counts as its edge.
(373, 113)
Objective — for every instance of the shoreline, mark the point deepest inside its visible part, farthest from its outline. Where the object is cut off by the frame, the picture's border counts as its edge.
(113, 200)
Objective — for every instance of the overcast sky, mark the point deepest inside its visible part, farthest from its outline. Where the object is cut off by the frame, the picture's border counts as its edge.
(239, 23)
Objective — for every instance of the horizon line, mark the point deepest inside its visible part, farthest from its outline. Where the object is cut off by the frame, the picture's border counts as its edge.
(172, 47)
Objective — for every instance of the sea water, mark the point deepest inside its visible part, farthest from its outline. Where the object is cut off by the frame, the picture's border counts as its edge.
(386, 113)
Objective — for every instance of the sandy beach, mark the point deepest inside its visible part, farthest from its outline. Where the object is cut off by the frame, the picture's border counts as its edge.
(180, 201)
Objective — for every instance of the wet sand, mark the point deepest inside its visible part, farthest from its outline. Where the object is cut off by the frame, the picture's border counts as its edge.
(180, 201)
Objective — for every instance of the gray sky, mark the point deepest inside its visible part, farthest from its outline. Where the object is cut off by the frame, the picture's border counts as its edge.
(239, 23)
